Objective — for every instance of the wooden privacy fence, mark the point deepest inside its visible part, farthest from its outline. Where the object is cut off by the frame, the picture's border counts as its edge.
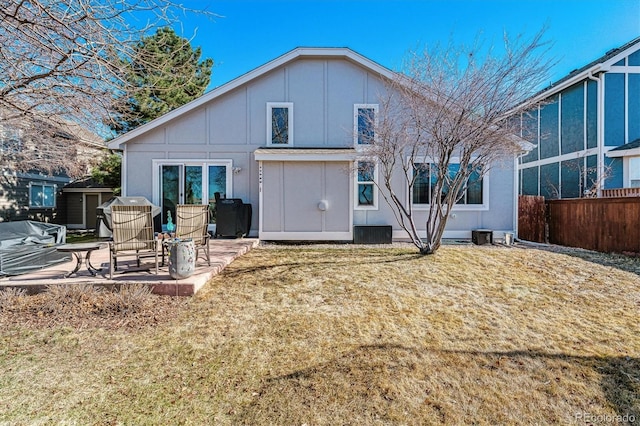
(532, 218)
(601, 224)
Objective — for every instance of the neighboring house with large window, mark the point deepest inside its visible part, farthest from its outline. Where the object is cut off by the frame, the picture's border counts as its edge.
(586, 130)
(37, 195)
(290, 138)
(29, 196)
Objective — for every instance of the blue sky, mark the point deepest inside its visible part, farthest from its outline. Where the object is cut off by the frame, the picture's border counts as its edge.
(250, 33)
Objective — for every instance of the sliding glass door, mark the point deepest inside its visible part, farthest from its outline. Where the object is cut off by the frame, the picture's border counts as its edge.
(217, 185)
(192, 183)
(169, 190)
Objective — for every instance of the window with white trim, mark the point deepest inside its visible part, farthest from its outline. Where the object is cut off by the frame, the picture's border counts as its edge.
(425, 181)
(634, 172)
(191, 182)
(279, 123)
(42, 195)
(365, 120)
(366, 188)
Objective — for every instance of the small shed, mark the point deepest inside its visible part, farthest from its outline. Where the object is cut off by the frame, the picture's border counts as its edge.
(82, 198)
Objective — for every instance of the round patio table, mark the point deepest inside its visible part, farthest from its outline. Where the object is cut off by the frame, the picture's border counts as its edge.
(77, 250)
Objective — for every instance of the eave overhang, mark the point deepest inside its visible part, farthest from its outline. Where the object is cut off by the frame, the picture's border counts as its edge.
(305, 154)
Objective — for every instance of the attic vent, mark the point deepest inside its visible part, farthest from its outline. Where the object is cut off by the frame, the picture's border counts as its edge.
(372, 234)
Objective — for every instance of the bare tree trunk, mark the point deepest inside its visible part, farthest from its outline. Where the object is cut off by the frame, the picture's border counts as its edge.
(451, 111)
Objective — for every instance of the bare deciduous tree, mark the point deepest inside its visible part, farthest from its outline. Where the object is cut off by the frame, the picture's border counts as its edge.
(61, 66)
(446, 121)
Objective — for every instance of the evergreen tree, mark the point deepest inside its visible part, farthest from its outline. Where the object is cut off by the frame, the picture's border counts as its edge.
(164, 73)
(108, 172)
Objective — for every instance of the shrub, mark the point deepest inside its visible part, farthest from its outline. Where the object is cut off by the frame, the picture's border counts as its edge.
(11, 297)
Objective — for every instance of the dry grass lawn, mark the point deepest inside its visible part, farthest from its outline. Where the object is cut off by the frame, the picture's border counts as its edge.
(350, 335)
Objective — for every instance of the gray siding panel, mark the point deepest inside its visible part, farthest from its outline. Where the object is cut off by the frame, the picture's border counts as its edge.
(190, 129)
(270, 88)
(308, 102)
(346, 87)
(293, 192)
(502, 199)
(338, 195)
(140, 171)
(303, 190)
(272, 179)
(154, 140)
(228, 119)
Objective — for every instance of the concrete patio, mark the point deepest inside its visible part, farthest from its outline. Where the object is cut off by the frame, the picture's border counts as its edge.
(223, 252)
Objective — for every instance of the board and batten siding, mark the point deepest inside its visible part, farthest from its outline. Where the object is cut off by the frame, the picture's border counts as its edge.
(233, 126)
(323, 90)
(306, 200)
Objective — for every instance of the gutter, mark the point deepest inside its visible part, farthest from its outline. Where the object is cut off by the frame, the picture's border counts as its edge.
(600, 122)
(551, 90)
(516, 195)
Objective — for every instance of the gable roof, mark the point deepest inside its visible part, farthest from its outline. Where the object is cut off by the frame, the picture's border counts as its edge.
(300, 52)
(602, 64)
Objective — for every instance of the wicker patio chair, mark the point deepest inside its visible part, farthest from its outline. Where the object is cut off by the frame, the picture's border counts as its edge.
(132, 236)
(192, 221)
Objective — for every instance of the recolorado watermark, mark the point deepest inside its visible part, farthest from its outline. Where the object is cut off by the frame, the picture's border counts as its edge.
(605, 418)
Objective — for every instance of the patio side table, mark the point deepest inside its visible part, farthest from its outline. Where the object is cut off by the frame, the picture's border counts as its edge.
(77, 250)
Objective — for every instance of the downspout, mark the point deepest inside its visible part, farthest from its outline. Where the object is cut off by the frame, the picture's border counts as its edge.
(260, 197)
(600, 126)
(516, 194)
(123, 173)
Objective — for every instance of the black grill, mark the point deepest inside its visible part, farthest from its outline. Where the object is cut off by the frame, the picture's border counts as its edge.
(233, 218)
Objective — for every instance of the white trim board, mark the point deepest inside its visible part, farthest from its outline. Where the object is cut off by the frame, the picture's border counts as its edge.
(306, 236)
(310, 154)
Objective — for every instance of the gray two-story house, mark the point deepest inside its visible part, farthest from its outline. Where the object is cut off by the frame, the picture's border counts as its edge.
(284, 138)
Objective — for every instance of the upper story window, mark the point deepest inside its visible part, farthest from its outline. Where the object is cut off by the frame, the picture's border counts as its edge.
(364, 123)
(426, 178)
(366, 189)
(280, 123)
(42, 195)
